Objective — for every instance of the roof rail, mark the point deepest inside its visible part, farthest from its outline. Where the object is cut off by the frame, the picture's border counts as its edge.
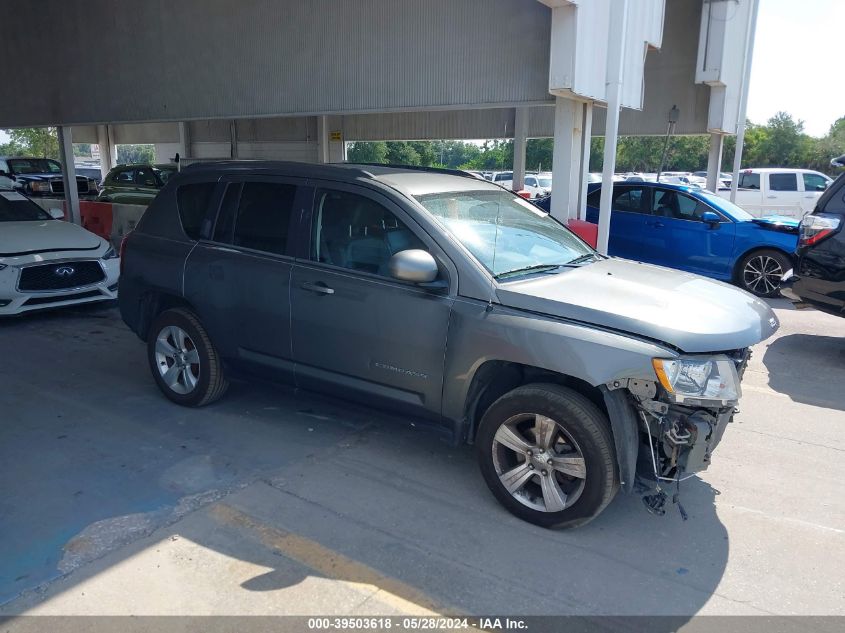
(434, 170)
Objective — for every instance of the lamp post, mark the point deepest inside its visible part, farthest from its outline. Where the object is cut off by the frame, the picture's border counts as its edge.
(674, 113)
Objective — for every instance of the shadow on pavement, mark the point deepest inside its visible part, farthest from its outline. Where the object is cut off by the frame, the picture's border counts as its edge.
(100, 460)
(808, 368)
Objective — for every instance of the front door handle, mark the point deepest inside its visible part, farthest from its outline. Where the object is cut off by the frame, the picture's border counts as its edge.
(319, 287)
(771, 197)
(658, 225)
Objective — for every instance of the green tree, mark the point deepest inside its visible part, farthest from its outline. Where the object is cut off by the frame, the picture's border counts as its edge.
(83, 150)
(363, 152)
(130, 154)
(42, 142)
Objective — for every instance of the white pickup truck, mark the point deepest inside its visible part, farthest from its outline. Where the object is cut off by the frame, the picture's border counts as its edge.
(778, 191)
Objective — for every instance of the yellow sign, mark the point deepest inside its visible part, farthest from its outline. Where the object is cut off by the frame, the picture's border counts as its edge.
(336, 136)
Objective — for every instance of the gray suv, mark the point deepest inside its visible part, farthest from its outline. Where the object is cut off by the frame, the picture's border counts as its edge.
(450, 302)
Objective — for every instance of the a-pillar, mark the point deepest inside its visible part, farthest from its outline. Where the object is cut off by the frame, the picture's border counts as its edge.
(714, 161)
(520, 142)
(69, 174)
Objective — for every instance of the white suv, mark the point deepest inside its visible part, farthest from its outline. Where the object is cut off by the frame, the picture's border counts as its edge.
(778, 191)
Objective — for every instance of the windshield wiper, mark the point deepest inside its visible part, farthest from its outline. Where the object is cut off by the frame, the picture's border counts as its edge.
(536, 268)
(583, 259)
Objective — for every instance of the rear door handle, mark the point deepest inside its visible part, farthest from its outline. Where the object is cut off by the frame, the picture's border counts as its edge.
(658, 225)
(319, 287)
(771, 197)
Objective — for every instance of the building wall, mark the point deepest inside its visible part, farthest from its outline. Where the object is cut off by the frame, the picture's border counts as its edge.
(98, 61)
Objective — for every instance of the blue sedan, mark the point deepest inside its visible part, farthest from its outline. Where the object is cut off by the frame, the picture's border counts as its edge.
(694, 230)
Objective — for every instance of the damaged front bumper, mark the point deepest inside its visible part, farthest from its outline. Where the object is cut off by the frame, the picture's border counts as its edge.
(672, 441)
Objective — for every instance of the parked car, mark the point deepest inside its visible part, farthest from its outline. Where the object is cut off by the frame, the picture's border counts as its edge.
(453, 302)
(694, 230)
(92, 172)
(46, 262)
(42, 177)
(819, 276)
(537, 185)
(778, 191)
(135, 184)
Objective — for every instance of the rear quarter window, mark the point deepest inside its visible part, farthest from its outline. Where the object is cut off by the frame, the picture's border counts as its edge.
(194, 201)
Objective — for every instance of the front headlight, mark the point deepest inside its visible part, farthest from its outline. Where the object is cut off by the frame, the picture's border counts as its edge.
(694, 379)
(110, 254)
(39, 186)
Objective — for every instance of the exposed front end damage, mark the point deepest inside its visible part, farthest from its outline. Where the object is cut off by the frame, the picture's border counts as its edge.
(675, 436)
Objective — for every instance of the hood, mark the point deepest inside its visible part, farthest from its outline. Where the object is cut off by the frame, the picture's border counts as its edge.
(778, 223)
(46, 176)
(18, 238)
(691, 313)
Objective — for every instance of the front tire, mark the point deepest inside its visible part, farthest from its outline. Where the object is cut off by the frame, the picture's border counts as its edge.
(183, 361)
(760, 272)
(546, 452)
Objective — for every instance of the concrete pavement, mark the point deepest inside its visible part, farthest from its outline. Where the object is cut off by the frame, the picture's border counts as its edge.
(273, 502)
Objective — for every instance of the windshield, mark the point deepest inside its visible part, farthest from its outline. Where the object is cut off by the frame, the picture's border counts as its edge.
(503, 232)
(164, 173)
(17, 208)
(738, 213)
(34, 166)
(546, 183)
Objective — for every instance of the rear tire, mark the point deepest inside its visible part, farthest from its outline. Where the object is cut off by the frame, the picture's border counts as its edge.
(546, 452)
(760, 272)
(183, 361)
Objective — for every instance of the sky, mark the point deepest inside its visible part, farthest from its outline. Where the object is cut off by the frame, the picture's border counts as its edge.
(797, 61)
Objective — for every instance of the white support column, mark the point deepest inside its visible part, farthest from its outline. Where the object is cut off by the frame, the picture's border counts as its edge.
(520, 141)
(233, 139)
(184, 140)
(576, 170)
(743, 100)
(562, 158)
(323, 139)
(586, 146)
(112, 140)
(714, 161)
(106, 149)
(69, 174)
(615, 59)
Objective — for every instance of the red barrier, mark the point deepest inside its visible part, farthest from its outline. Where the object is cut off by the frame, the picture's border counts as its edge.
(587, 231)
(97, 217)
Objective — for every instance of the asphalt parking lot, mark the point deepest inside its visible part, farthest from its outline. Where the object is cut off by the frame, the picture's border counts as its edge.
(115, 501)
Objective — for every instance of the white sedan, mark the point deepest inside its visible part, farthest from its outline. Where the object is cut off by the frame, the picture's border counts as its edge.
(46, 262)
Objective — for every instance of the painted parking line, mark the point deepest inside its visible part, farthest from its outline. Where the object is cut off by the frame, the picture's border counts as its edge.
(331, 564)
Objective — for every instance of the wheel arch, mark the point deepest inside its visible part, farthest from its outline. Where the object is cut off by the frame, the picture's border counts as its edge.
(735, 274)
(495, 378)
(153, 303)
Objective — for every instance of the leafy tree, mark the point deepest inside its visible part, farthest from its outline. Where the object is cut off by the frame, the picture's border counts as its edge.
(362, 152)
(82, 150)
(129, 154)
(42, 142)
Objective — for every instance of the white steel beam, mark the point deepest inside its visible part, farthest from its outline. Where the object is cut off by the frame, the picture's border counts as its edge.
(69, 174)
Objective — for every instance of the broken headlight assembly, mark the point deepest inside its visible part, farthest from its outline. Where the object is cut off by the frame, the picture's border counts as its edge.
(699, 381)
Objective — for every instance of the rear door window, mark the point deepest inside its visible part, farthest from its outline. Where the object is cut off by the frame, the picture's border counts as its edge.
(125, 177)
(193, 201)
(783, 182)
(749, 181)
(263, 218)
(628, 199)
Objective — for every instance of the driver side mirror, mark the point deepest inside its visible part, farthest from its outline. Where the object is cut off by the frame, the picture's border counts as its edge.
(415, 265)
(710, 218)
(56, 213)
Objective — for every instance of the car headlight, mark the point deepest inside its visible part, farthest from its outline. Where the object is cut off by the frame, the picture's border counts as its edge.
(696, 379)
(110, 254)
(39, 186)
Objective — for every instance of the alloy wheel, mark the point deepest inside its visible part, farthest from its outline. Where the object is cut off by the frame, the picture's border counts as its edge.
(762, 274)
(538, 462)
(177, 359)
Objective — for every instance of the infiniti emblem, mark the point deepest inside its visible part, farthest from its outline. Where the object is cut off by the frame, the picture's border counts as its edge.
(64, 271)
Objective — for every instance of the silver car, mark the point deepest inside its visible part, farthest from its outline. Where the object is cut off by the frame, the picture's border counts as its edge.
(453, 303)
